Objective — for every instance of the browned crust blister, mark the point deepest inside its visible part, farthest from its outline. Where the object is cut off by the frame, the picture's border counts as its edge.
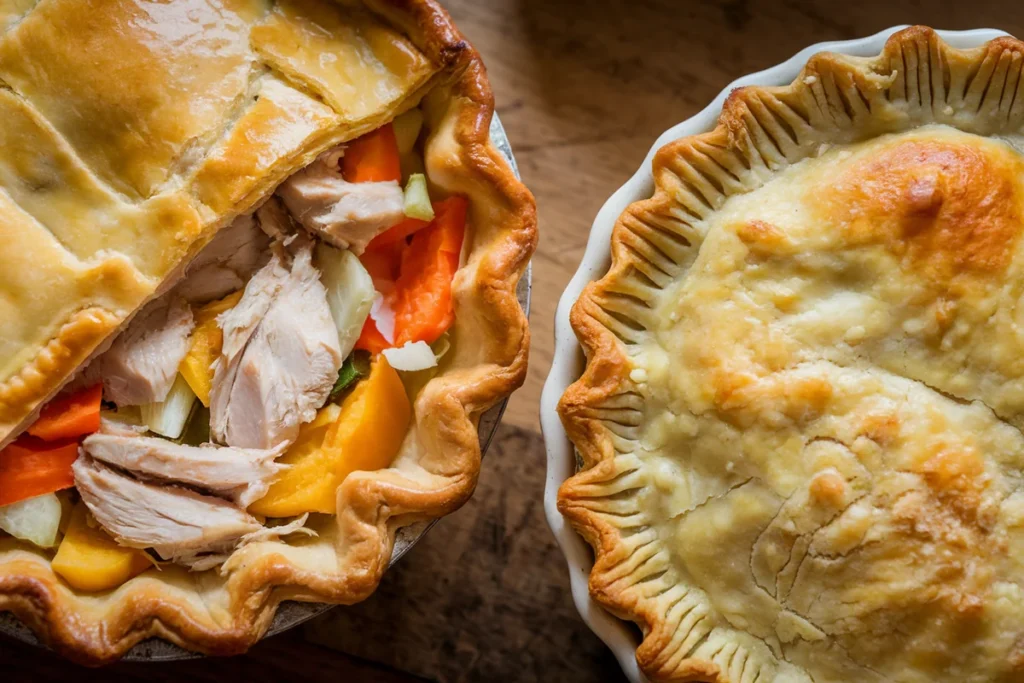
(917, 79)
(223, 615)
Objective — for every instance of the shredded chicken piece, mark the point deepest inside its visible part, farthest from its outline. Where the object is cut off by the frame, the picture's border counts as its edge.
(346, 215)
(280, 357)
(243, 475)
(267, 533)
(275, 222)
(117, 427)
(179, 524)
(141, 364)
(226, 263)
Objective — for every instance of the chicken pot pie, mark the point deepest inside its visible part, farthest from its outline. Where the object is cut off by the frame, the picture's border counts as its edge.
(800, 420)
(258, 284)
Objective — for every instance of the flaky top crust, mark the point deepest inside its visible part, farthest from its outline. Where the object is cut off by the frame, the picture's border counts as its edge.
(800, 420)
(133, 131)
(262, 102)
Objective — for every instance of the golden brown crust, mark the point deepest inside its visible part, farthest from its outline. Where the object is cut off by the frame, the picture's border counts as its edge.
(439, 462)
(949, 216)
(65, 352)
(948, 209)
(102, 170)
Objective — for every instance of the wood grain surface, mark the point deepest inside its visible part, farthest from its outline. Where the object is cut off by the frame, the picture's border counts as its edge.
(583, 89)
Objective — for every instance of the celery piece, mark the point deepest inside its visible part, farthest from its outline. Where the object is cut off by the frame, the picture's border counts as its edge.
(197, 431)
(168, 417)
(417, 198)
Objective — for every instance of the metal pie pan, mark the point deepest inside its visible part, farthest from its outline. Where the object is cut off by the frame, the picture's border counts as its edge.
(290, 614)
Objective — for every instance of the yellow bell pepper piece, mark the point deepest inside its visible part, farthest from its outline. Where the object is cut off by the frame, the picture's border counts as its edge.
(207, 339)
(306, 452)
(365, 435)
(90, 560)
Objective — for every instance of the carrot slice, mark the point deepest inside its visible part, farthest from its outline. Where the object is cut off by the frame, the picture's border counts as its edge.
(451, 213)
(423, 292)
(418, 275)
(30, 467)
(373, 157)
(71, 416)
(383, 264)
(370, 339)
(398, 233)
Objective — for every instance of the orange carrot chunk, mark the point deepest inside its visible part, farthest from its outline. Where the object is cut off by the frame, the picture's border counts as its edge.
(422, 297)
(383, 264)
(70, 416)
(370, 339)
(30, 467)
(418, 276)
(398, 233)
(373, 157)
(404, 229)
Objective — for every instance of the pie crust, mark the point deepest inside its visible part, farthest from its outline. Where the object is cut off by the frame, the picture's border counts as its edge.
(108, 184)
(800, 423)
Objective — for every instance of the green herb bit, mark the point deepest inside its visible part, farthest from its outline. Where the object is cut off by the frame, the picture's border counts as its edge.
(355, 367)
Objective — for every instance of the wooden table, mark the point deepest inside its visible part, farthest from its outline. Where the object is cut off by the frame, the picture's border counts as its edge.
(583, 88)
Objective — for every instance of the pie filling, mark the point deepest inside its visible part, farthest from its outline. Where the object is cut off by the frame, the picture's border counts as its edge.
(233, 406)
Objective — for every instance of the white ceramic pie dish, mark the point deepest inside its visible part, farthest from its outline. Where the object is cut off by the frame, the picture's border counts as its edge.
(568, 361)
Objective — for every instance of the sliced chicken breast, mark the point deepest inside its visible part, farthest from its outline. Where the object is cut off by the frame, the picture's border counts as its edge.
(89, 375)
(120, 427)
(140, 366)
(267, 533)
(290, 360)
(179, 524)
(243, 475)
(346, 215)
(275, 222)
(226, 263)
(240, 322)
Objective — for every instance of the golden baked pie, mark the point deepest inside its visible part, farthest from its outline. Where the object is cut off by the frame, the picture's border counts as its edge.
(800, 420)
(257, 286)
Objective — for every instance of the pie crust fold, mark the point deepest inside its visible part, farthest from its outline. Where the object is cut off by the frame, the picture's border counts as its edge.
(117, 184)
(799, 427)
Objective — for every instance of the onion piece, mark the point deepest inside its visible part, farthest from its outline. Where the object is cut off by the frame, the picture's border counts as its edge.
(35, 520)
(407, 129)
(383, 317)
(442, 345)
(417, 198)
(350, 292)
(411, 357)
